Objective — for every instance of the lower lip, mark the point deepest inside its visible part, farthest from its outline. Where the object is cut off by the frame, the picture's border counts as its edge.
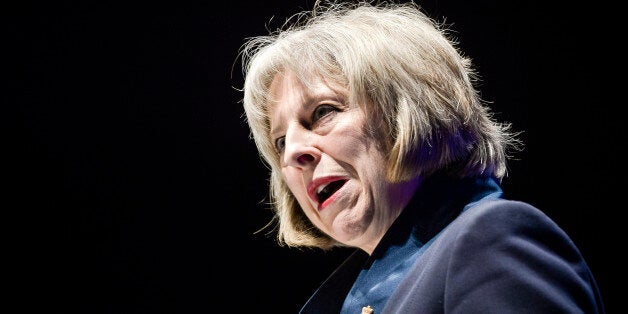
(329, 200)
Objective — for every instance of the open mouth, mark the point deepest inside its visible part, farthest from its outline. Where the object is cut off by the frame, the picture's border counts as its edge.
(325, 191)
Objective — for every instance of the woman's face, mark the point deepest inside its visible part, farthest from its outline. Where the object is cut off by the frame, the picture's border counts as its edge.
(335, 170)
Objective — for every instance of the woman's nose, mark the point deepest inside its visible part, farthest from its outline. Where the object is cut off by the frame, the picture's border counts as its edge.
(299, 150)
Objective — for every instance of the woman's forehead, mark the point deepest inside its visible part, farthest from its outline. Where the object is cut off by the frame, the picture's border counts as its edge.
(309, 86)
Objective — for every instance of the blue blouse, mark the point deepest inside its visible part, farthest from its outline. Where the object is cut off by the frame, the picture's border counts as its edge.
(428, 213)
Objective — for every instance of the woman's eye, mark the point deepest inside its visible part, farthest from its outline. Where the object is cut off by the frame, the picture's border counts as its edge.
(280, 144)
(322, 111)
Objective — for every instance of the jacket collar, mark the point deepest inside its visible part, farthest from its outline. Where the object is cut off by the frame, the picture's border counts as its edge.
(437, 202)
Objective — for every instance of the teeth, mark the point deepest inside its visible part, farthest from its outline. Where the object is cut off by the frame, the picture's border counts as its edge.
(321, 187)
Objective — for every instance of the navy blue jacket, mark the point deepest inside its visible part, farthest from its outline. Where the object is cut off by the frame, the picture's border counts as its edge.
(487, 255)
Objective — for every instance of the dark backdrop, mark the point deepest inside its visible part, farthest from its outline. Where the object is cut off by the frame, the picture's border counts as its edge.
(140, 190)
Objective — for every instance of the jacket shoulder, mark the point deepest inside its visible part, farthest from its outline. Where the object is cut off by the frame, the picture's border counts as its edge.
(500, 256)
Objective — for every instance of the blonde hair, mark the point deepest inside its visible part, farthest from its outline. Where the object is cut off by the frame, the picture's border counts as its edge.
(406, 72)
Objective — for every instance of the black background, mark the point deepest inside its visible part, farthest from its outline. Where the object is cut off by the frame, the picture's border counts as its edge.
(140, 191)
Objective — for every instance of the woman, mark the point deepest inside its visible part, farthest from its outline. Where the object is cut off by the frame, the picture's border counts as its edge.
(377, 139)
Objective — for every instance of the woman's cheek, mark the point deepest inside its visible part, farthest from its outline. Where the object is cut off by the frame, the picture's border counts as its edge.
(294, 181)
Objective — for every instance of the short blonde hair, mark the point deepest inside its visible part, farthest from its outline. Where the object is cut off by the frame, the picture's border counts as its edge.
(406, 72)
